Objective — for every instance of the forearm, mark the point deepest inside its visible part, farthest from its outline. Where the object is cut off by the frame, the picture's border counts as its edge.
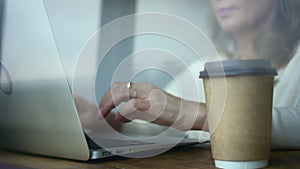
(185, 115)
(201, 118)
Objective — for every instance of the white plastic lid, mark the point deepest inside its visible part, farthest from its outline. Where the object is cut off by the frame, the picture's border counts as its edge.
(241, 165)
(238, 67)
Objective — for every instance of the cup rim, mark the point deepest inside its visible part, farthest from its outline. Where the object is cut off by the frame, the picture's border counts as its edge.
(238, 67)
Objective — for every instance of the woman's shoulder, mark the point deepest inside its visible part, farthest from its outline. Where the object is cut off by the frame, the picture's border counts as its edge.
(287, 88)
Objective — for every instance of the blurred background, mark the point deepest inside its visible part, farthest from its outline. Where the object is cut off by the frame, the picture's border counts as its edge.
(27, 30)
(42, 29)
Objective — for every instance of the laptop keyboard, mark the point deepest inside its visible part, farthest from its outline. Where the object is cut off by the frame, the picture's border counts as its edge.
(108, 142)
(120, 143)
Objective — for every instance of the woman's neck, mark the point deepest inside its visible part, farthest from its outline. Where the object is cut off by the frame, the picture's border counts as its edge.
(245, 45)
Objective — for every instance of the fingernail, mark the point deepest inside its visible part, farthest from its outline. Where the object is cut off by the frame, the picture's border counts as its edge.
(118, 117)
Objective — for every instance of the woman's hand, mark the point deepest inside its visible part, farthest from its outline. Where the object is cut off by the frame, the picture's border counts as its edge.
(88, 113)
(147, 102)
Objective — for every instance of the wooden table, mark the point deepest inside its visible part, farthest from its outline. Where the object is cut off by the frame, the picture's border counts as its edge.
(195, 157)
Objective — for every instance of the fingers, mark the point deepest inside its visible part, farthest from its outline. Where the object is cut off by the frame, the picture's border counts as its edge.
(121, 118)
(134, 95)
(134, 109)
(117, 94)
(144, 101)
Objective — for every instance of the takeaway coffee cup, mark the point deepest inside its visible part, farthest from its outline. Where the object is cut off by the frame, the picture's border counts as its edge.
(239, 96)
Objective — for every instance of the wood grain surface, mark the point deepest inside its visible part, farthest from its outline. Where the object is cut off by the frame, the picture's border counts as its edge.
(193, 157)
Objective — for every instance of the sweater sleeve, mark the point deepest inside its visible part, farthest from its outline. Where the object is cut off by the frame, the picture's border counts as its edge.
(286, 128)
(286, 109)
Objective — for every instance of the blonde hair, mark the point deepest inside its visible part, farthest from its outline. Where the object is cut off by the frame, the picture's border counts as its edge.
(278, 44)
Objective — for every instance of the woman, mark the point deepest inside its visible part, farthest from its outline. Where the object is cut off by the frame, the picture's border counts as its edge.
(243, 29)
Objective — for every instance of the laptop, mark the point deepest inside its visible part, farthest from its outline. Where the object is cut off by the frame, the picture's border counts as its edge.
(39, 114)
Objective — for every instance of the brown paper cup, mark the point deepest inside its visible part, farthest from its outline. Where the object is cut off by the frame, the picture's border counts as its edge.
(239, 96)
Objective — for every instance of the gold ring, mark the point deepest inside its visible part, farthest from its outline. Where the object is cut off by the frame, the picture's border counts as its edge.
(129, 86)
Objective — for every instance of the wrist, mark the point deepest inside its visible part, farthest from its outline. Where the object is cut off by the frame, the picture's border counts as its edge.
(188, 115)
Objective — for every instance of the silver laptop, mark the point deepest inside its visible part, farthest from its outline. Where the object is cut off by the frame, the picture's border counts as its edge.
(38, 113)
